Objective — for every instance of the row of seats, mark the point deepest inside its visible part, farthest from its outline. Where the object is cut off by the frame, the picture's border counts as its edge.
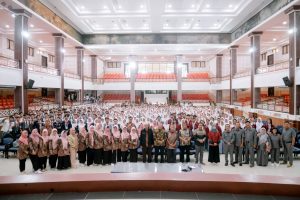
(198, 75)
(156, 76)
(116, 97)
(7, 103)
(114, 76)
(195, 97)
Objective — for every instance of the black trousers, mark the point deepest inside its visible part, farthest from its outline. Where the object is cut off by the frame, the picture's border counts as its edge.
(116, 156)
(82, 156)
(22, 164)
(213, 154)
(90, 156)
(171, 155)
(52, 161)
(124, 155)
(98, 156)
(107, 157)
(147, 152)
(133, 155)
(34, 161)
(63, 162)
(184, 150)
(42, 162)
(159, 150)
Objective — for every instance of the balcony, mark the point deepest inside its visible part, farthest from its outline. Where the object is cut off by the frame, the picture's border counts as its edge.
(156, 77)
(8, 62)
(38, 68)
(272, 68)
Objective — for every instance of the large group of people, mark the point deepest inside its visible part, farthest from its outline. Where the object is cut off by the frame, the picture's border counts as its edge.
(104, 135)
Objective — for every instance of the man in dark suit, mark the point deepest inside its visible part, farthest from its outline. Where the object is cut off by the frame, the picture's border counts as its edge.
(66, 125)
(147, 141)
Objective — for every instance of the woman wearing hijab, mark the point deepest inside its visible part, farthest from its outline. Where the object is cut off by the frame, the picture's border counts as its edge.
(171, 143)
(107, 146)
(263, 147)
(23, 151)
(90, 146)
(53, 148)
(98, 145)
(43, 150)
(124, 144)
(116, 140)
(214, 138)
(259, 124)
(33, 142)
(82, 145)
(73, 144)
(63, 152)
(133, 144)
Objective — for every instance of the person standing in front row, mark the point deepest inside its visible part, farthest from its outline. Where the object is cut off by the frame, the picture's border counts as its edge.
(228, 139)
(90, 152)
(213, 142)
(23, 150)
(263, 147)
(133, 144)
(159, 143)
(171, 143)
(199, 136)
(288, 138)
(239, 135)
(250, 143)
(63, 161)
(33, 142)
(73, 141)
(124, 144)
(146, 141)
(276, 144)
(184, 143)
(82, 145)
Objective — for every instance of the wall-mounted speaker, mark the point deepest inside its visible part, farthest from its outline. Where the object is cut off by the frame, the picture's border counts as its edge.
(271, 91)
(30, 84)
(287, 81)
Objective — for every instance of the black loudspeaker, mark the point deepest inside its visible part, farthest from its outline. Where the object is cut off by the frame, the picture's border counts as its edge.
(287, 81)
(30, 84)
(44, 92)
(271, 91)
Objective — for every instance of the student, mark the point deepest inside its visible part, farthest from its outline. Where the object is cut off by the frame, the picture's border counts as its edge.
(133, 144)
(276, 144)
(22, 153)
(98, 145)
(73, 143)
(33, 142)
(288, 138)
(228, 139)
(239, 135)
(159, 137)
(199, 136)
(63, 152)
(82, 145)
(53, 138)
(124, 144)
(116, 140)
(263, 147)
(250, 143)
(184, 143)
(90, 146)
(171, 143)
(147, 141)
(213, 141)
(107, 146)
(43, 150)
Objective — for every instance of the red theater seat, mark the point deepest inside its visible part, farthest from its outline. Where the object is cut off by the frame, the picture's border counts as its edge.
(197, 75)
(156, 76)
(114, 76)
(195, 97)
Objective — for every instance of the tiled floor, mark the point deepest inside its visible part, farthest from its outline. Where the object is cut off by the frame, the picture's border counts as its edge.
(144, 195)
(10, 167)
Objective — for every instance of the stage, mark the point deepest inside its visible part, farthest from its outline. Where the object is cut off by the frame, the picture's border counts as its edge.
(136, 177)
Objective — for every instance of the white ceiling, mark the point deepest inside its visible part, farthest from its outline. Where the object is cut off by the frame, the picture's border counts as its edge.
(155, 16)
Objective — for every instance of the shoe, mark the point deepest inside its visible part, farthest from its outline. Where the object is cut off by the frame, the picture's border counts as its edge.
(283, 163)
(226, 164)
(272, 164)
(202, 163)
(246, 163)
(289, 165)
(241, 164)
(235, 162)
(277, 164)
(232, 164)
(251, 166)
(39, 172)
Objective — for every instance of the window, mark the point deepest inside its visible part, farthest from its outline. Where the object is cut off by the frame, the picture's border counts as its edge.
(274, 51)
(51, 58)
(271, 59)
(155, 67)
(10, 44)
(200, 64)
(184, 68)
(263, 57)
(113, 64)
(44, 61)
(30, 51)
(285, 49)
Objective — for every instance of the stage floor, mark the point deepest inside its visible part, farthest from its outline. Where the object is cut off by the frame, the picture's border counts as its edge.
(156, 168)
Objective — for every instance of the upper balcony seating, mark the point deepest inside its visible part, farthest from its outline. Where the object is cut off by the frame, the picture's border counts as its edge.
(198, 75)
(114, 76)
(116, 97)
(163, 76)
(7, 103)
(195, 97)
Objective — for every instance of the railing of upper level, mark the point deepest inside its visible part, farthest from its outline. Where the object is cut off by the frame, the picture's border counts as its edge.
(276, 67)
(8, 62)
(37, 68)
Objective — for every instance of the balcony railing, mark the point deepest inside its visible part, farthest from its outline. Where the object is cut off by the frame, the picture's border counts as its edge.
(69, 75)
(8, 62)
(37, 68)
(276, 67)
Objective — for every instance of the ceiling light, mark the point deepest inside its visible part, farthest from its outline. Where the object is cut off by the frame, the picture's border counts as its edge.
(82, 7)
(207, 6)
(215, 24)
(6, 26)
(142, 6)
(251, 49)
(105, 7)
(290, 31)
(170, 6)
(31, 25)
(284, 23)
(83, 60)
(25, 34)
(230, 6)
(13, 15)
(41, 41)
(63, 50)
(193, 6)
(274, 39)
(197, 24)
(120, 6)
